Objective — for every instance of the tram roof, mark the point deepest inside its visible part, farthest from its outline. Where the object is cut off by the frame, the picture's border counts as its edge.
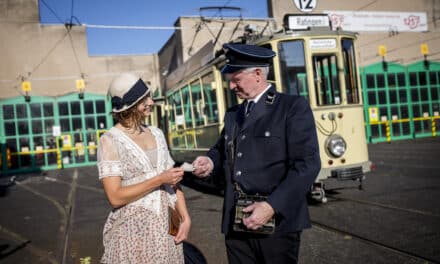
(190, 72)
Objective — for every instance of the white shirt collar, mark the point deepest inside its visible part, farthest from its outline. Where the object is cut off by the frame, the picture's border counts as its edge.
(255, 100)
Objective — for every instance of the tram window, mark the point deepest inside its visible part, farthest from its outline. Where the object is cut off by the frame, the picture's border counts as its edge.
(171, 115)
(10, 128)
(36, 110)
(293, 67)
(187, 106)
(177, 103)
(8, 112)
(48, 109)
(37, 127)
(197, 102)
(350, 71)
(63, 108)
(88, 107)
(21, 111)
(210, 99)
(326, 80)
(100, 106)
(270, 75)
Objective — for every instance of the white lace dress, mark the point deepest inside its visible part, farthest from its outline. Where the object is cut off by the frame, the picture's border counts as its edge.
(137, 232)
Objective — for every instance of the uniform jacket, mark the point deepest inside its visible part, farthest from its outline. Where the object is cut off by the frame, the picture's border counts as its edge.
(276, 154)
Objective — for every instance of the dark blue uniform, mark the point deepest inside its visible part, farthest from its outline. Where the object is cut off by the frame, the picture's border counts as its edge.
(276, 154)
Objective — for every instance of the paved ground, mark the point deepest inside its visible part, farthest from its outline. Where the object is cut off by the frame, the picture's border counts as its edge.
(58, 217)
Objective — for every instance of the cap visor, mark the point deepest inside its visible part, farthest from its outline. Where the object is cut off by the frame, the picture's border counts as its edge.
(231, 69)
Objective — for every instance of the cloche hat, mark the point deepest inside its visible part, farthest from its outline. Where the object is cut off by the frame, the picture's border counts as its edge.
(242, 56)
(126, 90)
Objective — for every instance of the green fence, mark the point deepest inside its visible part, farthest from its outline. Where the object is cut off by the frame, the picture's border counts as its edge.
(401, 102)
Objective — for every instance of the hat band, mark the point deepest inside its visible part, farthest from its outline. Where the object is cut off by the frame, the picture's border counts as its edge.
(138, 90)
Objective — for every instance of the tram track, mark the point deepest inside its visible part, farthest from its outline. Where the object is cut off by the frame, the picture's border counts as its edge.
(385, 206)
(369, 241)
(372, 242)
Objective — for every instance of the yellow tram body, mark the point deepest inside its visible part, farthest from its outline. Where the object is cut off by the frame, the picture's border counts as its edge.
(317, 63)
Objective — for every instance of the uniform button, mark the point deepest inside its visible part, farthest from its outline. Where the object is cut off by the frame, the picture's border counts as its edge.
(243, 137)
(239, 154)
(238, 173)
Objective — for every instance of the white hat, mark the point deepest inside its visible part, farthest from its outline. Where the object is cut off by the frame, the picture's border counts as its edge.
(126, 90)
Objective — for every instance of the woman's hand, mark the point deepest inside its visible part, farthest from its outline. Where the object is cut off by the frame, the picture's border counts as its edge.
(184, 228)
(172, 176)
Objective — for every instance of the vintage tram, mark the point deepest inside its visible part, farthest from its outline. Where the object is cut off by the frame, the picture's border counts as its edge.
(313, 61)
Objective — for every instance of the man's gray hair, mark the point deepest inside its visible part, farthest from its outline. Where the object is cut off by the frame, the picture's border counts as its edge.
(264, 70)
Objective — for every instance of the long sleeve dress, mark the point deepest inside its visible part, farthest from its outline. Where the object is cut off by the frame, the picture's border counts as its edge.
(138, 231)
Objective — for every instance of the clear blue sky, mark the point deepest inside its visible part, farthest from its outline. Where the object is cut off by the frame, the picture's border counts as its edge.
(146, 13)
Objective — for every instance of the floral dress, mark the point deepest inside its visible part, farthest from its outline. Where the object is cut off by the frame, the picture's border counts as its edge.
(138, 231)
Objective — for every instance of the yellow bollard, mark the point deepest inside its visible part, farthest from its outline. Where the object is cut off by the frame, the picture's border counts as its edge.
(434, 132)
(387, 128)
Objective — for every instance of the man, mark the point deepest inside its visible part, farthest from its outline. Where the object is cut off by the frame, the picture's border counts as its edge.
(269, 148)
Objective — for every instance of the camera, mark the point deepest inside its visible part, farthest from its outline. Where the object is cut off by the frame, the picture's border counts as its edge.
(243, 201)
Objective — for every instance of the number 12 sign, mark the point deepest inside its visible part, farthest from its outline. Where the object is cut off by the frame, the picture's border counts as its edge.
(305, 5)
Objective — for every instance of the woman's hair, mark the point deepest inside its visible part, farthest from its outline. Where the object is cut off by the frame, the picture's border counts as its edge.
(131, 116)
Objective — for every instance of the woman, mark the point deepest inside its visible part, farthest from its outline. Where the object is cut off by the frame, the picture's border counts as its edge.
(140, 182)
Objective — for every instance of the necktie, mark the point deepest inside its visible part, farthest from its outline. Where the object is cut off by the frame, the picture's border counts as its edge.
(249, 107)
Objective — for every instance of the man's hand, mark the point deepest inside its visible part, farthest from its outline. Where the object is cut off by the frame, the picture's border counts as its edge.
(261, 212)
(203, 166)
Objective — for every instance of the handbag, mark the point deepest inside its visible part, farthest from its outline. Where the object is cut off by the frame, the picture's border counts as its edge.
(174, 221)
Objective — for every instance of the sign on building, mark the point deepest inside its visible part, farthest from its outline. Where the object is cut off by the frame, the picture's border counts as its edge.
(379, 21)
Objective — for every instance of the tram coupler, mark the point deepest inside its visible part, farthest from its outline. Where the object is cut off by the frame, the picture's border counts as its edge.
(318, 192)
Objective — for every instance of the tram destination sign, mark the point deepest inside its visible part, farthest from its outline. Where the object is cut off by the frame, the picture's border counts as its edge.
(301, 22)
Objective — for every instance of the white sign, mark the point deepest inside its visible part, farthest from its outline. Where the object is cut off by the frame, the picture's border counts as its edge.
(379, 21)
(305, 5)
(305, 21)
(56, 131)
(319, 44)
(180, 120)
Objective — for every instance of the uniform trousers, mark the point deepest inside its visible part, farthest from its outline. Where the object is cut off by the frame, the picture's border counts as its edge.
(247, 248)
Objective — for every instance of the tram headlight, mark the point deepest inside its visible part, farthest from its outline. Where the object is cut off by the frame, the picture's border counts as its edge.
(336, 145)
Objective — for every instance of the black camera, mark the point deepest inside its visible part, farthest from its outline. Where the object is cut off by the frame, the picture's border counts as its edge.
(243, 201)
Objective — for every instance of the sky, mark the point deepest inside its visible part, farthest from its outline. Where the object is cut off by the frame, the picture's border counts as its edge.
(140, 13)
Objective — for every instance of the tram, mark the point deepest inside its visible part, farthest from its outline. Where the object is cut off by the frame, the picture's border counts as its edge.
(313, 61)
